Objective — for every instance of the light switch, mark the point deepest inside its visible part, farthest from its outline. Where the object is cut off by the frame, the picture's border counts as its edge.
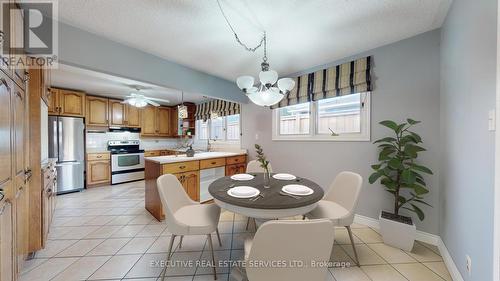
(256, 136)
(491, 120)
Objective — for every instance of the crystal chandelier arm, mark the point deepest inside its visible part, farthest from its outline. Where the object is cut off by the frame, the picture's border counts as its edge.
(250, 49)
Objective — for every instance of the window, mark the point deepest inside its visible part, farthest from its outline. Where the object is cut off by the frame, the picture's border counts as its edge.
(343, 118)
(222, 128)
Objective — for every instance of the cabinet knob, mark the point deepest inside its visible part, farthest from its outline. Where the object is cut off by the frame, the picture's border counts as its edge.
(99, 156)
(213, 163)
(182, 167)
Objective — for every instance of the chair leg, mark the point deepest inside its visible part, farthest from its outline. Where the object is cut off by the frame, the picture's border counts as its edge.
(254, 224)
(213, 256)
(180, 243)
(172, 239)
(248, 222)
(303, 217)
(218, 236)
(352, 243)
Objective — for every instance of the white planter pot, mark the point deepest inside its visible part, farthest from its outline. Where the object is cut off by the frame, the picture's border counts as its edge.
(397, 234)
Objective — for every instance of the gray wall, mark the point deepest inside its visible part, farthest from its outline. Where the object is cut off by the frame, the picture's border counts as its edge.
(468, 81)
(84, 49)
(406, 85)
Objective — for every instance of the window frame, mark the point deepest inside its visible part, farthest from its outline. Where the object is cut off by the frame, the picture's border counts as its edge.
(364, 135)
(209, 131)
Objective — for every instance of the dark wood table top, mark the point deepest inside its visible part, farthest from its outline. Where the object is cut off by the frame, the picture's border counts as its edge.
(272, 198)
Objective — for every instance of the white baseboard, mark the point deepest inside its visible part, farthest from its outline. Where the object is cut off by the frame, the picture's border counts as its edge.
(423, 237)
(452, 268)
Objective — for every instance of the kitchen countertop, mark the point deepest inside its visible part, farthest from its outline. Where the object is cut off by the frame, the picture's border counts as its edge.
(197, 156)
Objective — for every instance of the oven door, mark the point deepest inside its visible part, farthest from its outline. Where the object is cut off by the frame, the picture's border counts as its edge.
(128, 161)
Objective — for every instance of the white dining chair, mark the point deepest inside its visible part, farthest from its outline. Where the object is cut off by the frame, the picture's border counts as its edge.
(185, 216)
(290, 240)
(339, 203)
(254, 167)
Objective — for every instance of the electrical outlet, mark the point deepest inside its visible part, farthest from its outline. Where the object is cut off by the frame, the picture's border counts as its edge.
(491, 120)
(468, 264)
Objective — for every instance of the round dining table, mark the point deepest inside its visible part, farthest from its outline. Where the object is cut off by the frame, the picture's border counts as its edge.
(271, 203)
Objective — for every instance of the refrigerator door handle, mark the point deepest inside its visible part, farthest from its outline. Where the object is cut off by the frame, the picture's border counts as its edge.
(59, 138)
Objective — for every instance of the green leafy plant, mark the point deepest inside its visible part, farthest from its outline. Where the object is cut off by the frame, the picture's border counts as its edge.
(397, 168)
(261, 157)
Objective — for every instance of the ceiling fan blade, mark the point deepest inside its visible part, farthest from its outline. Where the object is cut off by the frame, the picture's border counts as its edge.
(156, 99)
(151, 102)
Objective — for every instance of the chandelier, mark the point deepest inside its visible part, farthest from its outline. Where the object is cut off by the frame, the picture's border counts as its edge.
(270, 90)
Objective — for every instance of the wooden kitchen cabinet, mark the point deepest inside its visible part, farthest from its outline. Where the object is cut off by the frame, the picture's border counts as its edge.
(133, 116)
(155, 121)
(191, 183)
(235, 169)
(98, 169)
(5, 130)
(97, 111)
(67, 103)
(152, 153)
(123, 114)
(48, 204)
(6, 241)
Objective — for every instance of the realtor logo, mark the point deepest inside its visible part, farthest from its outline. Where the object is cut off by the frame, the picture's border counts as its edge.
(29, 28)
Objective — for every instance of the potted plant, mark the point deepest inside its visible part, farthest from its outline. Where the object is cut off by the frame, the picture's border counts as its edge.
(402, 177)
(264, 164)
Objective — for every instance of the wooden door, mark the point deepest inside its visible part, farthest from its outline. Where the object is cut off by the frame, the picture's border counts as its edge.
(163, 121)
(21, 206)
(5, 131)
(117, 113)
(98, 172)
(97, 111)
(17, 37)
(72, 103)
(6, 241)
(53, 101)
(148, 121)
(133, 117)
(174, 119)
(191, 183)
(45, 212)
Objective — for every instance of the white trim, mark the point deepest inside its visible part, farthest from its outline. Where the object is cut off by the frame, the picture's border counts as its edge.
(448, 261)
(364, 135)
(496, 214)
(423, 237)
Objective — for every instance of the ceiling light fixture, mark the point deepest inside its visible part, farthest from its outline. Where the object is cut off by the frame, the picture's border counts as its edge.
(182, 110)
(270, 91)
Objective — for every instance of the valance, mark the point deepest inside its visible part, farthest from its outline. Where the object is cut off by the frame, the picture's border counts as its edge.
(344, 79)
(220, 107)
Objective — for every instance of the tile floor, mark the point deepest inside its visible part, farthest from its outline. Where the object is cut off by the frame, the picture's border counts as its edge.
(106, 234)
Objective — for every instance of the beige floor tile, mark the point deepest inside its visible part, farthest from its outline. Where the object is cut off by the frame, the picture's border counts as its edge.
(31, 264)
(54, 247)
(161, 245)
(429, 246)
(391, 254)
(100, 220)
(440, 269)
(206, 261)
(80, 248)
(366, 255)
(109, 247)
(121, 220)
(357, 225)
(367, 235)
(78, 221)
(382, 273)
(82, 268)
(417, 272)
(349, 274)
(48, 269)
(151, 230)
(339, 256)
(342, 236)
(116, 267)
(104, 231)
(138, 245)
(226, 226)
(238, 240)
(79, 232)
(183, 263)
(226, 216)
(424, 254)
(128, 231)
(142, 219)
(149, 265)
(194, 243)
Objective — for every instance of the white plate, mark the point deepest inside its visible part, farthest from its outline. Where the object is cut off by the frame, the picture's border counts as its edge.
(243, 192)
(242, 177)
(297, 189)
(285, 177)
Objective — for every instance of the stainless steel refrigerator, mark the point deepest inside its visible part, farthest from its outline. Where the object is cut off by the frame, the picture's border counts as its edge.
(66, 143)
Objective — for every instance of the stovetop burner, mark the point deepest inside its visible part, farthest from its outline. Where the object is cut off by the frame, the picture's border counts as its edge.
(124, 147)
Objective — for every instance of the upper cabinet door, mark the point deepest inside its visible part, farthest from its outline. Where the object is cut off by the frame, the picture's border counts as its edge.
(71, 103)
(133, 117)
(53, 101)
(117, 113)
(5, 129)
(97, 111)
(18, 104)
(163, 121)
(148, 121)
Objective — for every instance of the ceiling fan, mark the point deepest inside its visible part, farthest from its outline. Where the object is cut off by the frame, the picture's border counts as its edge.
(139, 100)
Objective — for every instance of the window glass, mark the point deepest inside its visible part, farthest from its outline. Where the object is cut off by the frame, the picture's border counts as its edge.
(217, 128)
(233, 127)
(340, 115)
(202, 129)
(294, 119)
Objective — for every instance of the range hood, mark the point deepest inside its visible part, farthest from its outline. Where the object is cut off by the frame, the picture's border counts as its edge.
(124, 129)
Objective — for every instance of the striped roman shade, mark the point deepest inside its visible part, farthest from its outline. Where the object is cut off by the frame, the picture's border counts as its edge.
(221, 107)
(345, 79)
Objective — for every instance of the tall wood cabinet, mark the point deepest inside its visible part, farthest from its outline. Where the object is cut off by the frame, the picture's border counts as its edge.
(97, 111)
(66, 103)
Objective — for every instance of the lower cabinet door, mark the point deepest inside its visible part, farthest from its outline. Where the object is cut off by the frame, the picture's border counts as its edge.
(98, 172)
(235, 169)
(191, 183)
(6, 242)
